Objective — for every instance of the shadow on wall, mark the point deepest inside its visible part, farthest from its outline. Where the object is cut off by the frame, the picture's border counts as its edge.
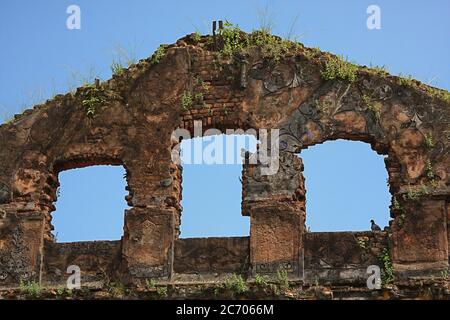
(346, 187)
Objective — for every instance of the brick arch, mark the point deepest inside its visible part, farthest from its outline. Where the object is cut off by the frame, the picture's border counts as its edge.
(406, 163)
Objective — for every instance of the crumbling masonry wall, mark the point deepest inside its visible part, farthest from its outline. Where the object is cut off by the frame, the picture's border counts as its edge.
(131, 124)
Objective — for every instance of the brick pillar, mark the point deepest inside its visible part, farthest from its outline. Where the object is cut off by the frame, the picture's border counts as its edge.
(21, 243)
(147, 250)
(276, 207)
(419, 238)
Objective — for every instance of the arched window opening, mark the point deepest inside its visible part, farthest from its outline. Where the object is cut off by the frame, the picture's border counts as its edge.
(90, 204)
(346, 187)
(212, 186)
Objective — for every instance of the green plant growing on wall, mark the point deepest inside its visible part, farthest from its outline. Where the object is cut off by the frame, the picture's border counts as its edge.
(409, 81)
(161, 291)
(90, 105)
(387, 271)
(150, 284)
(429, 140)
(63, 291)
(60, 291)
(158, 55)
(204, 85)
(30, 288)
(443, 95)
(233, 39)
(429, 170)
(374, 108)
(397, 207)
(261, 280)
(411, 194)
(236, 284)
(123, 58)
(405, 80)
(363, 244)
(283, 279)
(379, 69)
(272, 47)
(366, 99)
(434, 183)
(186, 101)
(321, 106)
(116, 289)
(234, 42)
(424, 189)
(92, 100)
(337, 67)
(117, 68)
(196, 37)
(396, 204)
(198, 98)
(311, 53)
(401, 220)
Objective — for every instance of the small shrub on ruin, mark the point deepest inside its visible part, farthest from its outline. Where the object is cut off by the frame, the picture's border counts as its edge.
(158, 55)
(283, 279)
(150, 284)
(261, 280)
(161, 292)
(116, 289)
(117, 68)
(236, 283)
(387, 272)
(339, 68)
(429, 170)
(93, 98)
(186, 101)
(30, 288)
(196, 37)
(429, 140)
(405, 80)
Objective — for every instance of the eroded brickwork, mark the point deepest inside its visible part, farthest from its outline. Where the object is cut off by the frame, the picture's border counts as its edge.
(133, 125)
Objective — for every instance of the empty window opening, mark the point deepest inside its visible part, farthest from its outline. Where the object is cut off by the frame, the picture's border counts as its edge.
(212, 186)
(346, 187)
(90, 204)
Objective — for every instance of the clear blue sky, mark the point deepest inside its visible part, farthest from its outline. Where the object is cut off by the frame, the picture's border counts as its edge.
(39, 57)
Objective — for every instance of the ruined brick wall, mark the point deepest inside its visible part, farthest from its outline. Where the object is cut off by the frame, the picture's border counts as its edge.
(211, 256)
(341, 257)
(132, 125)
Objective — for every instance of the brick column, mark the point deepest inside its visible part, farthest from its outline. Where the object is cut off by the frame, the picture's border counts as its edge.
(276, 207)
(21, 243)
(147, 250)
(419, 238)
